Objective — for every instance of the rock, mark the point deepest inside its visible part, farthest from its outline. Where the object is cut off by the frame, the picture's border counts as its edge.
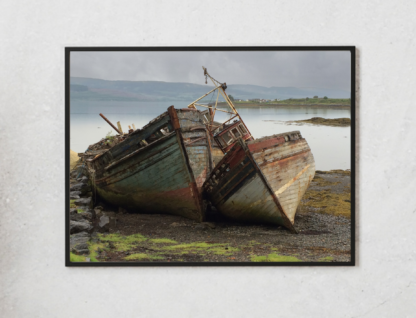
(122, 210)
(74, 195)
(205, 226)
(103, 224)
(98, 211)
(80, 249)
(84, 179)
(75, 241)
(73, 211)
(82, 209)
(79, 226)
(83, 201)
(92, 213)
(79, 243)
(113, 218)
(95, 238)
(81, 187)
(107, 221)
(87, 215)
(76, 217)
(81, 234)
(98, 214)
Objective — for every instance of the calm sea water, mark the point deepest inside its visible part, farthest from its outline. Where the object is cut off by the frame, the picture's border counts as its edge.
(330, 145)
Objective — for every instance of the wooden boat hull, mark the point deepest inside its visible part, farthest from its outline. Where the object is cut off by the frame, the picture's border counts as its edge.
(262, 180)
(165, 176)
(197, 144)
(217, 154)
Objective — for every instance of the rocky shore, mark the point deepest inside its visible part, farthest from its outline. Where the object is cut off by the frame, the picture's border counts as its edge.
(84, 220)
(103, 233)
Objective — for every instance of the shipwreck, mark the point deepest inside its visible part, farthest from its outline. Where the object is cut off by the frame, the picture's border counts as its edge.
(257, 180)
(157, 169)
(262, 180)
(184, 158)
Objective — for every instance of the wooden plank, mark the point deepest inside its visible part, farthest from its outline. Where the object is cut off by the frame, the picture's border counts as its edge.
(119, 128)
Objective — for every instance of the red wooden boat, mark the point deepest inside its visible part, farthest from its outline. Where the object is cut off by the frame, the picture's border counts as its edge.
(263, 180)
(260, 180)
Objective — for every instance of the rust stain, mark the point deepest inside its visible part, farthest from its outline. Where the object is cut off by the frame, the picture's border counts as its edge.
(174, 118)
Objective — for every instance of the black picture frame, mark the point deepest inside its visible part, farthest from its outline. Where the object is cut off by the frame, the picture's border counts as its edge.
(352, 51)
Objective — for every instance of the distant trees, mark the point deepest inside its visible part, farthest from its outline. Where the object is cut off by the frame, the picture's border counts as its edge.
(307, 98)
(315, 97)
(325, 97)
(231, 97)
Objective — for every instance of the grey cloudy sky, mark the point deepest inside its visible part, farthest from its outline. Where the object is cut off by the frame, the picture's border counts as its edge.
(323, 69)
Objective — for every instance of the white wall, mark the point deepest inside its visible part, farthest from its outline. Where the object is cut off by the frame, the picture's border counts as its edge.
(33, 279)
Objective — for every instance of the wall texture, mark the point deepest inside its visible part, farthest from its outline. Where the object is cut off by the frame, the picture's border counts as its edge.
(33, 279)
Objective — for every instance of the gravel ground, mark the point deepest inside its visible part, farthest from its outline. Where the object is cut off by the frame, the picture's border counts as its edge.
(322, 237)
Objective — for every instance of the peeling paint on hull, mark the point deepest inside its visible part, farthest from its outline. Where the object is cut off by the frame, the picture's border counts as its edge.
(163, 177)
(263, 180)
(217, 154)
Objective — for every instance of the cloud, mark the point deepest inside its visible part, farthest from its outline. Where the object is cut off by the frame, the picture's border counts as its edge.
(323, 69)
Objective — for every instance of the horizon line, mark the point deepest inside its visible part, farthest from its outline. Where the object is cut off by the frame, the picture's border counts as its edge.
(342, 89)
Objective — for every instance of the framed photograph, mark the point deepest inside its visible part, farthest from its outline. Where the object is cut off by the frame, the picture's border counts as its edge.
(210, 156)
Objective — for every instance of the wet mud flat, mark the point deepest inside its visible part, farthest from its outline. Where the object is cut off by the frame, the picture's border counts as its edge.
(322, 221)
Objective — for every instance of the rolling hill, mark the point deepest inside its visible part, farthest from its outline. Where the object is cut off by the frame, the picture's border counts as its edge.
(96, 89)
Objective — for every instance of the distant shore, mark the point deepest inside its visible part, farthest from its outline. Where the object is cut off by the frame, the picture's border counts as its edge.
(318, 121)
(270, 105)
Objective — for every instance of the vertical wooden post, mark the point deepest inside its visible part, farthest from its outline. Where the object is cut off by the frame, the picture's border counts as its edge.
(119, 127)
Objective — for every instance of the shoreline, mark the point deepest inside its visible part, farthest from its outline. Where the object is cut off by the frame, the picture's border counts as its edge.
(262, 105)
(317, 121)
(323, 221)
